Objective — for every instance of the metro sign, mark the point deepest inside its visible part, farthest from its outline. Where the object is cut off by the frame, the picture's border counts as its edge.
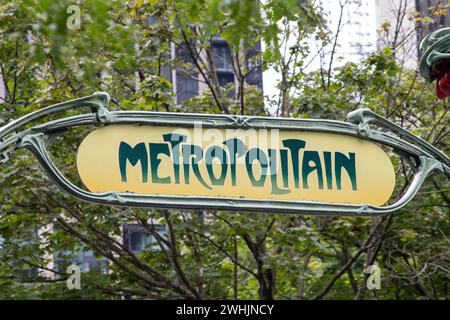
(246, 164)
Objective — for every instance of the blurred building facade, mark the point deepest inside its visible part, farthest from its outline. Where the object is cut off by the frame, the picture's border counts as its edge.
(188, 84)
(353, 24)
(407, 22)
(366, 26)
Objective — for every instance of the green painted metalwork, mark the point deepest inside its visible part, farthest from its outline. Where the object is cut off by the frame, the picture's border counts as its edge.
(435, 49)
(423, 157)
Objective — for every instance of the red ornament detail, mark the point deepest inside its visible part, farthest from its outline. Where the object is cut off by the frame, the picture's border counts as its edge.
(443, 86)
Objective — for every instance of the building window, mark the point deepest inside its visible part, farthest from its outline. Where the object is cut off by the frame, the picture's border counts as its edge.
(85, 259)
(187, 87)
(223, 63)
(187, 83)
(225, 78)
(137, 238)
(222, 58)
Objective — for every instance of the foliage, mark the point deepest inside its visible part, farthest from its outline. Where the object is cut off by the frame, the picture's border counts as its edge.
(123, 47)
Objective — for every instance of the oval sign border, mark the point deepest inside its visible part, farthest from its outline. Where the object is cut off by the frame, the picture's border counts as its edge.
(93, 166)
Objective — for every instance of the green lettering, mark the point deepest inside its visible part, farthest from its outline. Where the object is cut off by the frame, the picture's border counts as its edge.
(273, 173)
(307, 169)
(348, 163)
(294, 145)
(236, 148)
(328, 171)
(219, 153)
(196, 153)
(256, 154)
(133, 155)
(155, 150)
(175, 140)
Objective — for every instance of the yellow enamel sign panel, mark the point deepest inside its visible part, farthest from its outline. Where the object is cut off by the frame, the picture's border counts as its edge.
(250, 163)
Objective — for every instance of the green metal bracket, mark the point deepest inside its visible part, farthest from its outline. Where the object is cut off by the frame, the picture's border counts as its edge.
(423, 157)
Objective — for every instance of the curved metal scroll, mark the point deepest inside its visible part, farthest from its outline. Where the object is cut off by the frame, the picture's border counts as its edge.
(423, 157)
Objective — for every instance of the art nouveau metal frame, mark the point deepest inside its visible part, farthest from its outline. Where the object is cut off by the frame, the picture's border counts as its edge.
(423, 157)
